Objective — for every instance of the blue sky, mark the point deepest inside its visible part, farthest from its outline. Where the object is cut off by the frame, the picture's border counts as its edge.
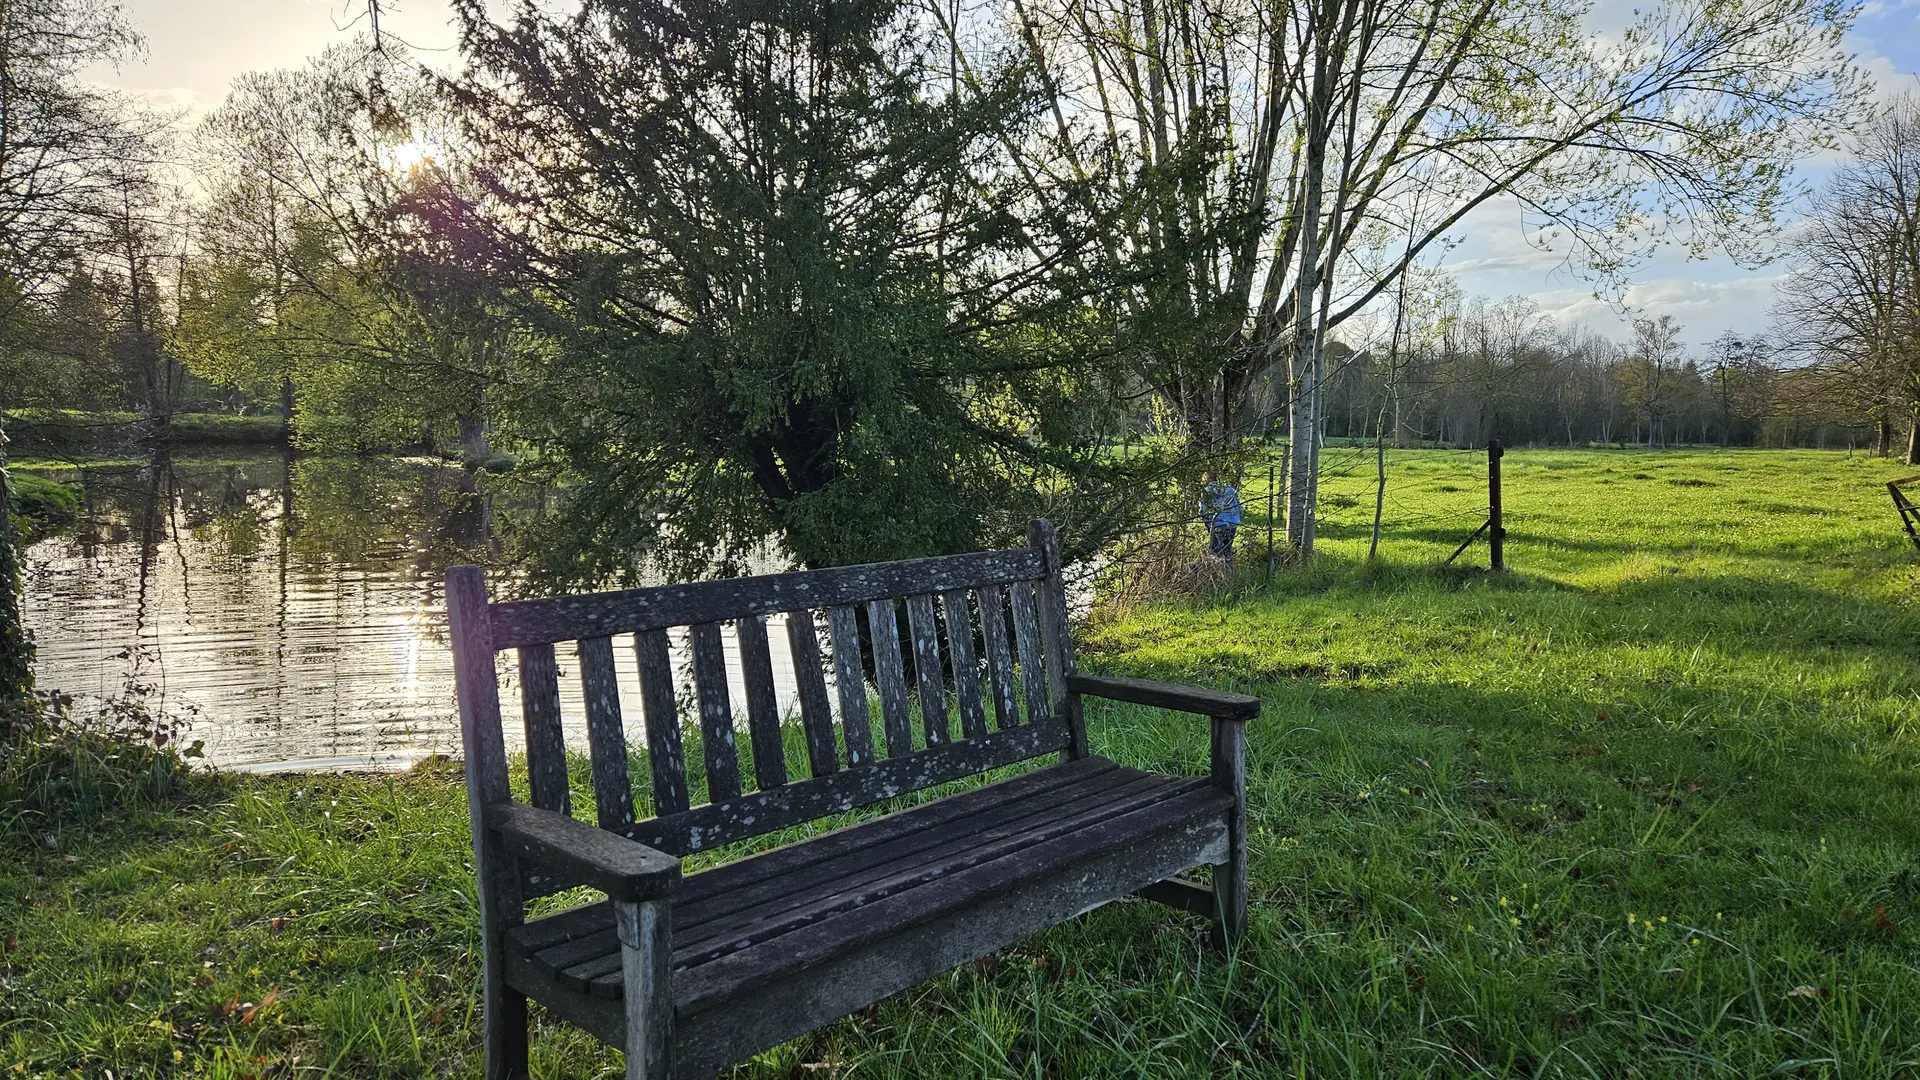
(196, 47)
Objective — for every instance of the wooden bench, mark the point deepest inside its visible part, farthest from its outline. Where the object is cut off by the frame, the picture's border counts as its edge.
(691, 974)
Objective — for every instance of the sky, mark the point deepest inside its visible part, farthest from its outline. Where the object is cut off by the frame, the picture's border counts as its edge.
(195, 48)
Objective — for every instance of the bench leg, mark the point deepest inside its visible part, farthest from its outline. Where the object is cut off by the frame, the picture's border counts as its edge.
(646, 942)
(1230, 877)
(504, 1014)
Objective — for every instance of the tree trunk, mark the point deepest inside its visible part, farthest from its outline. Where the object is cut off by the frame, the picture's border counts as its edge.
(16, 648)
(1913, 436)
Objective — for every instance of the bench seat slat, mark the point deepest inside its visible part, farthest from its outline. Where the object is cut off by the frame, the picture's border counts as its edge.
(868, 868)
(885, 871)
(564, 618)
(712, 983)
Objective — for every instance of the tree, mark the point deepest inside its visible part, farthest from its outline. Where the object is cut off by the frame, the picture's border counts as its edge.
(1647, 375)
(1852, 307)
(58, 134)
(787, 287)
(1275, 150)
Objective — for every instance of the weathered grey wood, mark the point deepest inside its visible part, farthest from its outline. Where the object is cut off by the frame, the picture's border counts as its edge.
(646, 934)
(604, 1020)
(565, 618)
(939, 815)
(716, 712)
(1229, 762)
(926, 664)
(816, 716)
(727, 1012)
(855, 725)
(801, 801)
(1052, 596)
(606, 740)
(872, 852)
(666, 759)
(1189, 699)
(540, 713)
(889, 675)
(763, 706)
(710, 888)
(966, 668)
(477, 689)
(747, 954)
(993, 631)
(611, 863)
(888, 876)
(1183, 894)
(1026, 635)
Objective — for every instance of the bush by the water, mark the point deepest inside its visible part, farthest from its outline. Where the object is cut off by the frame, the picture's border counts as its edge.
(62, 764)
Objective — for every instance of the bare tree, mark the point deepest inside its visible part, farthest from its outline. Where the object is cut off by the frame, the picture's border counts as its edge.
(1852, 308)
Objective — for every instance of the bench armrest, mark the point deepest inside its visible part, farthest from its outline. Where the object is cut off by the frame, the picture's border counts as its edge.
(623, 869)
(1190, 699)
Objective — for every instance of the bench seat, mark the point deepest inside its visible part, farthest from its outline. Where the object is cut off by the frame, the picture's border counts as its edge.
(786, 920)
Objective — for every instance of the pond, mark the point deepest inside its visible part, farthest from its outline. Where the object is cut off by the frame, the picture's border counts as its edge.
(289, 607)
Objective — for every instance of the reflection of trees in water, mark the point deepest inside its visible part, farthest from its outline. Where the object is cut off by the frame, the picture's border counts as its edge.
(290, 597)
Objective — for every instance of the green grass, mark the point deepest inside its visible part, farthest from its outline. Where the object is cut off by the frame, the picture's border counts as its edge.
(1644, 806)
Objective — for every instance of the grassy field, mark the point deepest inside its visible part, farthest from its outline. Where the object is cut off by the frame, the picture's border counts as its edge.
(1645, 806)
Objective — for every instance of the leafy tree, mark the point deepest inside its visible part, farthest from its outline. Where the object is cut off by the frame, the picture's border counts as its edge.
(789, 286)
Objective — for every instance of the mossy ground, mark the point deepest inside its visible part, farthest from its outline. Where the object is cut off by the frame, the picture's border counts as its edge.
(1645, 806)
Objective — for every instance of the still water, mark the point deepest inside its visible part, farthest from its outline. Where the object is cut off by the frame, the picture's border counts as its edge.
(289, 607)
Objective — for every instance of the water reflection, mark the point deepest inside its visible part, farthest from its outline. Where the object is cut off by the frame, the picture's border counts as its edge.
(291, 606)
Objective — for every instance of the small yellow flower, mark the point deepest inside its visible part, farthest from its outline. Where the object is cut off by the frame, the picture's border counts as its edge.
(177, 1055)
(1453, 899)
(1717, 916)
(1695, 941)
(1503, 901)
(1663, 918)
(1629, 918)
(1515, 922)
(1469, 928)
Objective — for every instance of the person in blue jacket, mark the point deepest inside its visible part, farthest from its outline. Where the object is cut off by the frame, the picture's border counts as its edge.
(1220, 508)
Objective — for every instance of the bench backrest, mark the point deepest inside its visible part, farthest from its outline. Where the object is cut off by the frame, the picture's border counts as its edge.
(967, 659)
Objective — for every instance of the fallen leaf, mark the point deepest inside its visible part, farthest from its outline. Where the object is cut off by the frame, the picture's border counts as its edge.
(246, 1016)
(1807, 992)
(229, 1007)
(278, 924)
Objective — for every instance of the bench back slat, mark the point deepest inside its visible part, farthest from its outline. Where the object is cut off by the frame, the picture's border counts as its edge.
(958, 667)
(546, 745)
(856, 731)
(763, 705)
(966, 669)
(1026, 636)
(606, 738)
(569, 618)
(666, 760)
(716, 712)
(993, 633)
(928, 669)
(816, 716)
(890, 677)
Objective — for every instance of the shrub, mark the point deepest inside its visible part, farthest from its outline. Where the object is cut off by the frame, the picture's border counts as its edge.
(64, 765)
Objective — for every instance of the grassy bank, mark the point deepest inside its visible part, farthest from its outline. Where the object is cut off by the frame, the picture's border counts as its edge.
(1646, 806)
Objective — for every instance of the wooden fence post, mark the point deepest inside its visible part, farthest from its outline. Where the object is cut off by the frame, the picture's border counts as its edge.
(1496, 534)
(1273, 507)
